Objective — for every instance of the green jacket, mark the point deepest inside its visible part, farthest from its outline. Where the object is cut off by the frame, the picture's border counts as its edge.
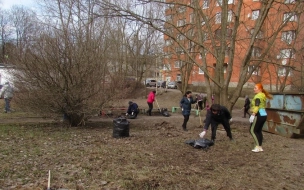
(258, 102)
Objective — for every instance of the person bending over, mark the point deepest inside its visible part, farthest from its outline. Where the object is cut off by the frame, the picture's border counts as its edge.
(217, 115)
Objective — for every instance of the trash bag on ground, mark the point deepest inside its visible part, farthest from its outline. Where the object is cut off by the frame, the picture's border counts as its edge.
(164, 112)
(132, 116)
(200, 143)
(120, 127)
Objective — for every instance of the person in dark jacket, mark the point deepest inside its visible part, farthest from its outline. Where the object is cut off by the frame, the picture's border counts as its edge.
(246, 107)
(217, 115)
(132, 110)
(185, 104)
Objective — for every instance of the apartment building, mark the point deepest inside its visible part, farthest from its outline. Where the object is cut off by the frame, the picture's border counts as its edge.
(195, 40)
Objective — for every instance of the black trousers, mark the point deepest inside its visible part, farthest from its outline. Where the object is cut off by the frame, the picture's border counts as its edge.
(200, 105)
(150, 108)
(246, 109)
(256, 129)
(186, 119)
(214, 125)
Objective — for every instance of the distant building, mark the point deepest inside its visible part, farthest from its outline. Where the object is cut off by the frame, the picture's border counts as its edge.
(284, 63)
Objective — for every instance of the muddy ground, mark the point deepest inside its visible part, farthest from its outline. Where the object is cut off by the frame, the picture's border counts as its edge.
(155, 156)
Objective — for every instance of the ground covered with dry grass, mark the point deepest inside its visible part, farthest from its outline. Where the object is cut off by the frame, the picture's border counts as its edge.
(155, 156)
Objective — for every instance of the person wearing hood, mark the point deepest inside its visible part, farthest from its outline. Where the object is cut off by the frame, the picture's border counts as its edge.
(132, 109)
(7, 94)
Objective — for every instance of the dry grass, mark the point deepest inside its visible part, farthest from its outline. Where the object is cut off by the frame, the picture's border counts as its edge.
(155, 156)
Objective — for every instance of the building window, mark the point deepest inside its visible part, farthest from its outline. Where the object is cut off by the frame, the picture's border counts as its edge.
(288, 36)
(255, 14)
(206, 4)
(191, 16)
(229, 18)
(168, 17)
(282, 72)
(179, 50)
(191, 46)
(203, 21)
(170, 5)
(167, 67)
(169, 31)
(177, 64)
(218, 18)
(182, 9)
(256, 52)
(180, 37)
(259, 35)
(181, 22)
(225, 67)
(218, 33)
(205, 36)
(190, 32)
(178, 77)
(200, 71)
(290, 17)
(167, 56)
(289, 1)
(168, 42)
(219, 2)
(287, 53)
(254, 69)
(204, 52)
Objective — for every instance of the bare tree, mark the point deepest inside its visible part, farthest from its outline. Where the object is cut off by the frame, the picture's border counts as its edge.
(62, 69)
(72, 62)
(216, 34)
(5, 34)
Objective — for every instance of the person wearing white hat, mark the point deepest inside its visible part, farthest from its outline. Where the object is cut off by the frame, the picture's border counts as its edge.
(7, 93)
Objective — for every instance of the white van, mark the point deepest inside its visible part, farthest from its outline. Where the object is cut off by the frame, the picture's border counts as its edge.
(150, 82)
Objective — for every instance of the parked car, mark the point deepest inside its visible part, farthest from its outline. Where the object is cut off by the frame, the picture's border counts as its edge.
(161, 84)
(150, 82)
(172, 85)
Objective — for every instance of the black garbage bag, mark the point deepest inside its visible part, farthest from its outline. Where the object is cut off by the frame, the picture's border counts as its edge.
(132, 116)
(164, 112)
(121, 127)
(200, 143)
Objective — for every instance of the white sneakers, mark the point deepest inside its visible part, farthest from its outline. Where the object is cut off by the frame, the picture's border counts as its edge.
(257, 149)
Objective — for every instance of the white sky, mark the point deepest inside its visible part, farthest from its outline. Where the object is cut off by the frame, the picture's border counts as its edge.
(6, 4)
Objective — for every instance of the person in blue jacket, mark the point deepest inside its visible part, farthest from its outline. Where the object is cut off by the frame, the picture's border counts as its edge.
(185, 104)
(132, 110)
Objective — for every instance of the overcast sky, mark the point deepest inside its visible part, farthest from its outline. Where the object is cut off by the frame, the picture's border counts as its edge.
(6, 4)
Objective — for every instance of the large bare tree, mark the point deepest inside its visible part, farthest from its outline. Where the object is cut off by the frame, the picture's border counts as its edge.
(216, 32)
(72, 62)
(61, 70)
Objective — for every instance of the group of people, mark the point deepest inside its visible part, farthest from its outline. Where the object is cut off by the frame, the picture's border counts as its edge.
(201, 101)
(218, 114)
